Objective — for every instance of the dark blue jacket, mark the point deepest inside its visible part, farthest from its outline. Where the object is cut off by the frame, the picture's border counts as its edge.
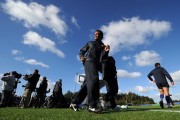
(58, 87)
(94, 50)
(160, 75)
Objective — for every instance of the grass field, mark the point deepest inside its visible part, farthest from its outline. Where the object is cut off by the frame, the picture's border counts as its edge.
(132, 113)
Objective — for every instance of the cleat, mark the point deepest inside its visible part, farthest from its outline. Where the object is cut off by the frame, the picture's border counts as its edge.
(161, 104)
(116, 109)
(172, 103)
(73, 107)
(95, 110)
(169, 107)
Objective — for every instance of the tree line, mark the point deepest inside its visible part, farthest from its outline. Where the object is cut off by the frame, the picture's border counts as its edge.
(123, 98)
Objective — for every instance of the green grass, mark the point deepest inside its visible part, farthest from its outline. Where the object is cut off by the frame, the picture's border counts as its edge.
(132, 113)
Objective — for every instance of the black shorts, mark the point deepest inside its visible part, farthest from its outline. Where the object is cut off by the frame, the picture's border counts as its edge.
(161, 85)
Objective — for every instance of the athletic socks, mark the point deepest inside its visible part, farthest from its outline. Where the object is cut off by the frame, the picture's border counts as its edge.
(168, 100)
(161, 97)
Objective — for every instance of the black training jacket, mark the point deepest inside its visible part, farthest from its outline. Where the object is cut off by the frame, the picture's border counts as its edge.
(160, 75)
(93, 50)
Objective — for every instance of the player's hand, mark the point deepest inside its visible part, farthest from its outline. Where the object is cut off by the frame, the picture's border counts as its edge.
(83, 59)
(172, 83)
(107, 48)
(154, 81)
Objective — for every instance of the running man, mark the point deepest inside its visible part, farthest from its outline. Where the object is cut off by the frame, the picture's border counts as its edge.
(160, 74)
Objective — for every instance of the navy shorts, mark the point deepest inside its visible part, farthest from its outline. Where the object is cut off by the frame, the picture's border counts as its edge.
(161, 85)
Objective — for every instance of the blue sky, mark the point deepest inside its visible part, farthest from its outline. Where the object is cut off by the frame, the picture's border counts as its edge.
(48, 34)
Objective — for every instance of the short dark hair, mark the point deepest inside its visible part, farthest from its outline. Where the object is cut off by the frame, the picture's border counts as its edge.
(157, 64)
(100, 33)
(36, 70)
(14, 72)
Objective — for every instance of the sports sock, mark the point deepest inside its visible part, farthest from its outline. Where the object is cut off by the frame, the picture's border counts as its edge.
(161, 97)
(168, 101)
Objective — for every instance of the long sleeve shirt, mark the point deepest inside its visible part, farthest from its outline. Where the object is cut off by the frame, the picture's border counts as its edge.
(43, 86)
(8, 83)
(32, 81)
(160, 75)
(93, 50)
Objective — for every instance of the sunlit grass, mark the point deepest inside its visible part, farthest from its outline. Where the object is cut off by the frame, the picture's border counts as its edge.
(132, 113)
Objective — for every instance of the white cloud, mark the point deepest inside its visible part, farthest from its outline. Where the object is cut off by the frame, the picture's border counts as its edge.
(126, 58)
(144, 89)
(45, 44)
(77, 57)
(15, 52)
(34, 15)
(35, 62)
(129, 33)
(1, 75)
(155, 97)
(19, 58)
(31, 62)
(74, 21)
(146, 58)
(130, 64)
(51, 85)
(176, 76)
(124, 73)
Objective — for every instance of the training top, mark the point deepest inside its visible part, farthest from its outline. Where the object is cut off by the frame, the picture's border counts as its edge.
(160, 75)
(93, 50)
(32, 81)
(43, 86)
